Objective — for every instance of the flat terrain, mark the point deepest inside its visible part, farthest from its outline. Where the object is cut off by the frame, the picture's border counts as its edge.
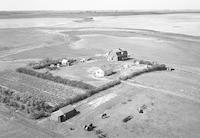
(172, 98)
(15, 126)
(166, 115)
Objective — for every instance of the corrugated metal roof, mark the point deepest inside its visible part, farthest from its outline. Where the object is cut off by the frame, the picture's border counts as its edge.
(63, 110)
(67, 108)
(57, 113)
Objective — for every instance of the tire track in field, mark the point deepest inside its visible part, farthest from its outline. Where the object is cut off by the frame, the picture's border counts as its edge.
(161, 90)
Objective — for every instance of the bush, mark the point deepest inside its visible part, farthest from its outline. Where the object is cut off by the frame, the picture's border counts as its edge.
(158, 67)
(45, 63)
(86, 95)
(155, 67)
(13, 104)
(38, 114)
(58, 79)
(132, 74)
(146, 62)
(38, 108)
(104, 87)
(22, 107)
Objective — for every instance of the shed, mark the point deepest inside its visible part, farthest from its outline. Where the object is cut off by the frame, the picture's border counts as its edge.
(64, 62)
(83, 60)
(52, 66)
(117, 55)
(101, 71)
(64, 114)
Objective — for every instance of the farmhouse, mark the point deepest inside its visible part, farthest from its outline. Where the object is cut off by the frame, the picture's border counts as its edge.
(117, 55)
(64, 114)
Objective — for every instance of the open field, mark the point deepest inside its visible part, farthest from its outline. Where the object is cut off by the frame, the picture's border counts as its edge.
(174, 23)
(166, 115)
(18, 127)
(172, 98)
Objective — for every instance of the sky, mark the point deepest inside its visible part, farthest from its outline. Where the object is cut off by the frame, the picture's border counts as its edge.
(99, 4)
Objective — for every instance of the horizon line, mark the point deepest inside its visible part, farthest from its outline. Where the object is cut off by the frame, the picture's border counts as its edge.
(138, 10)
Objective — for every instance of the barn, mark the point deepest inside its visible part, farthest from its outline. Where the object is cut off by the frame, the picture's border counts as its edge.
(117, 55)
(64, 114)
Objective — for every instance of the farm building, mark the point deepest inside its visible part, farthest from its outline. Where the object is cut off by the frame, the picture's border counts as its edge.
(64, 62)
(101, 71)
(83, 60)
(64, 114)
(117, 55)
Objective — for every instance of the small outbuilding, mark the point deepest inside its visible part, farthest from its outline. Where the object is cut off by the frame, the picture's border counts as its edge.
(64, 114)
(83, 60)
(102, 72)
(65, 62)
(52, 66)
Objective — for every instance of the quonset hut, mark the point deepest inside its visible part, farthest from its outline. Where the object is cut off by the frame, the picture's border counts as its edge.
(64, 114)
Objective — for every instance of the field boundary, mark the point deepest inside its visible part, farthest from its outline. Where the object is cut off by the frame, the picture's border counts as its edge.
(57, 79)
